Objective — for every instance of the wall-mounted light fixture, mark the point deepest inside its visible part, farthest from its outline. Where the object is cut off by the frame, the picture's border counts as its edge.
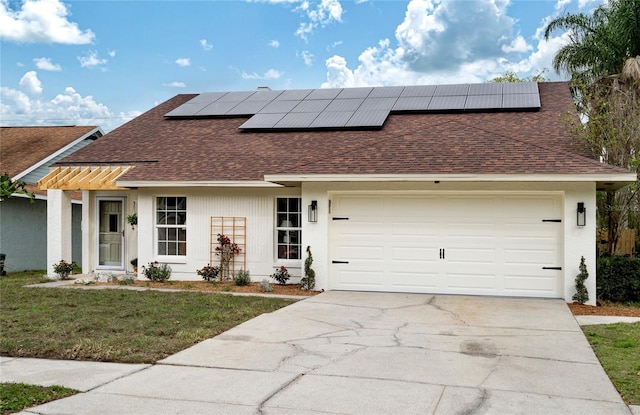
(313, 211)
(581, 215)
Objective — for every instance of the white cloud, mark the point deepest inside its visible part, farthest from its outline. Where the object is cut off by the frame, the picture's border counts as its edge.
(307, 57)
(30, 83)
(320, 14)
(46, 65)
(69, 107)
(274, 44)
(112, 53)
(447, 42)
(175, 84)
(40, 21)
(518, 45)
(205, 44)
(183, 62)
(270, 74)
(91, 60)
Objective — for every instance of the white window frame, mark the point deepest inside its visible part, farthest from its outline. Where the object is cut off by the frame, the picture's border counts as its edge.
(168, 258)
(279, 227)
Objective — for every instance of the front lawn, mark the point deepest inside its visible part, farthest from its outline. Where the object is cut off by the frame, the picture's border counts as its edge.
(618, 348)
(114, 325)
(15, 397)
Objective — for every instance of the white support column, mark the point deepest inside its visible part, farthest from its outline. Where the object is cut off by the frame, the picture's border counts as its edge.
(58, 228)
(87, 231)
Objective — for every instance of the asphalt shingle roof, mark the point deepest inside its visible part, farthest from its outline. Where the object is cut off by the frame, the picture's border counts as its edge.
(22, 147)
(215, 149)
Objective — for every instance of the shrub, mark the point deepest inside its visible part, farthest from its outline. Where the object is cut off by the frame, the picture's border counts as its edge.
(242, 277)
(265, 286)
(618, 279)
(281, 275)
(209, 273)
(63, 268)
(308, 282)
(157, 272)
(582, 294)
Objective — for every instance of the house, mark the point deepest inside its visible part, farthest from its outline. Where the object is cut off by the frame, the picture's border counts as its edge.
(26, 154)
(461, 189)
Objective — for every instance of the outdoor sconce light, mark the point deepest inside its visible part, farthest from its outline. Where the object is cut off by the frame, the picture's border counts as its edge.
(582, 214)
(313, 211)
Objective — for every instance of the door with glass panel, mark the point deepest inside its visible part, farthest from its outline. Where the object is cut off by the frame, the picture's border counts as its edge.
(110, 233)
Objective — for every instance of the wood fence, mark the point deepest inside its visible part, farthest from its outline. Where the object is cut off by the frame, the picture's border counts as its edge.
(626, 242)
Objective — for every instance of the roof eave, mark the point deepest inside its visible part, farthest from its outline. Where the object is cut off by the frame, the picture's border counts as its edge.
(194, 183)
(609, 181)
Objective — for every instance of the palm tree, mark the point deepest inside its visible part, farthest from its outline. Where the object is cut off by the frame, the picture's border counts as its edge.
(600, 44)
(603, 59)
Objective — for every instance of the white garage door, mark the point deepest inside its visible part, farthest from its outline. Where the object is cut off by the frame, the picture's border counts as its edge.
(507, 245)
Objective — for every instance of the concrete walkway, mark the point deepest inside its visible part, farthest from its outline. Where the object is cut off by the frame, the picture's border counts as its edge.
(366, 353)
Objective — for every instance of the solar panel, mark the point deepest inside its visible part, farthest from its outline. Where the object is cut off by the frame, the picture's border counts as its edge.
(207, 97)
(367, 119)
(451, 90)
(329, 93)
(247, 108)
(509, 88)
(348, 93)
(386, 92)
(476, 102)
(186, 109)
(418, 91)
(344, 105)
(311, 105)
(216, 108)
(236, 96)
(447, 103)
(329, 119)
(355, 107)
(294, 94)
(277, 106)
(377, 104)
(490, 88)
(262, 121)
(515, 101)
(412, 104)
(264, 96)
(297, 120)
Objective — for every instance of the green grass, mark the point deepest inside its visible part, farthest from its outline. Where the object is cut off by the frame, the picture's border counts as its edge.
(114, 325)
(15, 397)
(618, 348)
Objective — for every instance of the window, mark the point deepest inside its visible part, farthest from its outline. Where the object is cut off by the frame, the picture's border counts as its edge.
(171, 225)
(288, 227)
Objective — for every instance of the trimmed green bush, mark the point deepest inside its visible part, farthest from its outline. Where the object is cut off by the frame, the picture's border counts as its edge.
(618, 279)
(242, 277)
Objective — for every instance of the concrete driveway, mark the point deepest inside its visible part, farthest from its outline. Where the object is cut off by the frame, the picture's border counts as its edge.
(375, 353)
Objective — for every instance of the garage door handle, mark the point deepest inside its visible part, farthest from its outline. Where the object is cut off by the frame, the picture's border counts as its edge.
(339, 218)
(339, 262)
(552, 220)
(554, 268)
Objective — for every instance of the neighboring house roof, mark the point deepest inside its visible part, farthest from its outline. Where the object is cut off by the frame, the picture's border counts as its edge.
(215, 149)
(23, 149)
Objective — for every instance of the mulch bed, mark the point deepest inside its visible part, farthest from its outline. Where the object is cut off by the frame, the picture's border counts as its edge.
(604, 310)
(254, 287)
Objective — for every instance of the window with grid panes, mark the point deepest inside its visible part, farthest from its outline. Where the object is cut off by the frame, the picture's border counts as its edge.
(289, 227)
(171, 226)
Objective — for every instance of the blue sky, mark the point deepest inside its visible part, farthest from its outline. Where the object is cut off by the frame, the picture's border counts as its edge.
(104, 62)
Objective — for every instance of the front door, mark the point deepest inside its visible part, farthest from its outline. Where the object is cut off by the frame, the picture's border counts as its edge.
(110, 233)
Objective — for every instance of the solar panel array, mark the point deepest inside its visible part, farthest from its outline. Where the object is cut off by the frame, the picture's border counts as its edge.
(355, 107)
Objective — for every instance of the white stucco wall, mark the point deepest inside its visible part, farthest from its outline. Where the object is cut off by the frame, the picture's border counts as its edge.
(258, 206)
